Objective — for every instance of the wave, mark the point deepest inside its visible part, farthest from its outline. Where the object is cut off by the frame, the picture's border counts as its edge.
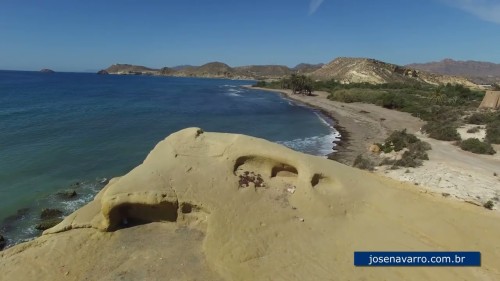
(21, 227)
(316, 145)
(234, 92)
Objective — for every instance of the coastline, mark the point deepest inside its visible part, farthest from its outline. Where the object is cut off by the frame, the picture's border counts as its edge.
(450, 172)
(359, 125)
(256, 210)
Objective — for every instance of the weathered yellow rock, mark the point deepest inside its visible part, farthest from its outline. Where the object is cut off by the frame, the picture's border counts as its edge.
(197, 209)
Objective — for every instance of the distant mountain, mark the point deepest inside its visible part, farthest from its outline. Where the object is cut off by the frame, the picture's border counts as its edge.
(263, 71)
(307, 67)
(477, 71)
(46, 70)
(209, 70)
(181, 67)
(128, 69)
(365, 70)
(345, 70)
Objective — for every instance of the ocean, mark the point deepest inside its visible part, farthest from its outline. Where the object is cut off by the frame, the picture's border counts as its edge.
(72, 131)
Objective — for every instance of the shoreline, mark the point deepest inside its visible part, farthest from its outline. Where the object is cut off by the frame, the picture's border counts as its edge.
(359, 124)
(340, 144)
(450, 172)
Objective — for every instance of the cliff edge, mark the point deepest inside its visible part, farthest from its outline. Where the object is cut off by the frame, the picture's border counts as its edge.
(215, 206)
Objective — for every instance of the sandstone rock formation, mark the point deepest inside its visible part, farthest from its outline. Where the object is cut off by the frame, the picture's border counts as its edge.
(214, 206)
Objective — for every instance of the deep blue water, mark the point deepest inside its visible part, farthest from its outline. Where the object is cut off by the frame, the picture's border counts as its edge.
(62, 128)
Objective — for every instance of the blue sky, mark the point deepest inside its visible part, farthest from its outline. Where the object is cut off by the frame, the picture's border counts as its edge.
(72, 35)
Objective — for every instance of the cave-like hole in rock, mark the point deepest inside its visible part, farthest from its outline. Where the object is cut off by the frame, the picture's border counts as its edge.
(133, 214)
(241, 161)
(284, 169)
(187, 208)
(316, 179)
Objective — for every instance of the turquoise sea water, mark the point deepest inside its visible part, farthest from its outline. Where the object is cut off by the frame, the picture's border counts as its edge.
(71, 130)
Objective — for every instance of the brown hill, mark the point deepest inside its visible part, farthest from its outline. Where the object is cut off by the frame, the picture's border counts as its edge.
(264, 71)
(365, 70)
(477, 71)
(130, 69)
(166, 71)
(304, 68)
(209, 70)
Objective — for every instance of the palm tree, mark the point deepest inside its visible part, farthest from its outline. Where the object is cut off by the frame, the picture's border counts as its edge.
(438, 97)
(301, 84)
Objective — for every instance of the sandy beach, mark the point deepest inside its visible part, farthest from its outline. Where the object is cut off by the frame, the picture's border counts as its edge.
(450, 171)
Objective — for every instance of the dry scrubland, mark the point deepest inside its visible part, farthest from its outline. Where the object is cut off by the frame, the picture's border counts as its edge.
(450, 171)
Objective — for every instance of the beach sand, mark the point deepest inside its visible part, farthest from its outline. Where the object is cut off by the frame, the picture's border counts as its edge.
(360, 124)
(214, 206)
(450, 171)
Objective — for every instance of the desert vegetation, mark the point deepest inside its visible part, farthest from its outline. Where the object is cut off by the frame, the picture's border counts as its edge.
(400, 149)
(474, 145)
(443, 107)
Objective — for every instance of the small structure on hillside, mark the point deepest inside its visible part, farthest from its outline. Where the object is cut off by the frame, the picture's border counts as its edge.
(491, 100)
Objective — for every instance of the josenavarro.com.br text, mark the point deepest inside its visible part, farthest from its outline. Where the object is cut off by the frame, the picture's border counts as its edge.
(417, 259)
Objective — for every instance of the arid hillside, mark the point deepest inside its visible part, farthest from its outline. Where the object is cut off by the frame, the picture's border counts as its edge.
(478, 71)
(365, 70)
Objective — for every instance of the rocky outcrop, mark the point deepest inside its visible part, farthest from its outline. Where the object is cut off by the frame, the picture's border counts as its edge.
(215, 206)
(50, 213)
(102, 72)
(67, 194)
(491, 100)
(2, 242)
(49, 218)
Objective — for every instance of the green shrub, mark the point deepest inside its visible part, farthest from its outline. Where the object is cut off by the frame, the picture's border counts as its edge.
(441, 131)
(261, 84)
(480, 118)
(391, 101)
(398, 140)
(419, 150)
(473, 130)
(408, 159)
(489, 205)
(363, 163)
(476, 146)
(493, 132)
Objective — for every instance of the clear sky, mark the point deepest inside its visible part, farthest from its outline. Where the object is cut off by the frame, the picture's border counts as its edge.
(88, 35)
